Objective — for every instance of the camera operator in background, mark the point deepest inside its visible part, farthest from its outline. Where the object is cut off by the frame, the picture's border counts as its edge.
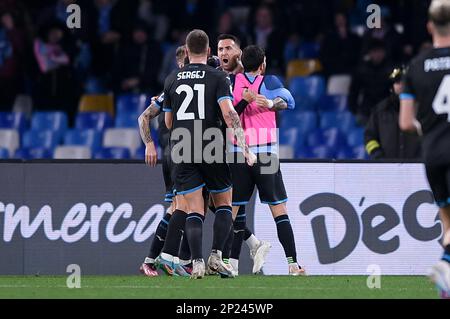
(383, 137)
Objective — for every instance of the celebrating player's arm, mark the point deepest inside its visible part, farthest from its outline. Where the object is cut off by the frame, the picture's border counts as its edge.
(407, 119)
(151, 155)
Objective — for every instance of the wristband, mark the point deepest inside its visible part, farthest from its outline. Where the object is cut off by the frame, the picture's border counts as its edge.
(270, 104)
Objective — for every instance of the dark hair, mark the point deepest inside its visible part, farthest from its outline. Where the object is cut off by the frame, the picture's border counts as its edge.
(226, 36)
(252, 58)
(180, 52)
(197, 42)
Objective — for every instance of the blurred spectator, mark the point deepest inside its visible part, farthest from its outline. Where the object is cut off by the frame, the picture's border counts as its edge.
(158, 22)
(369, 84)
(394, 43)
(226, 26)
(137, 65)
(12, 45)
(169, 63)
(383, 137)
(340, 48)
(267, 36)
(55, 87)
(110, 21)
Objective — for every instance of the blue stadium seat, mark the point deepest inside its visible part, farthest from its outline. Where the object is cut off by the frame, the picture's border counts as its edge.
(333, 103)
(40, 139)
(346, 121)
(132, 103)
(328, 120)
(303, 153)
(113, 153)
(91, 138)
(355, 137)
(93, 120)
(345, 153)
(127, 120)
(331, 137)
(55, 121)
(33, 153)
(292, 137)
(13, 120)
(304, 121)
(359, 152)
(323, 152)
(309, 50)
(307, 91)
(4, 153)
(140, 153)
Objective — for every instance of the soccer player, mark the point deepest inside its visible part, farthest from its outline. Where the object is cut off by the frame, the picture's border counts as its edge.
(229, 53)
(148, 268)
(259, 121)
(195, 97)
(427, 83)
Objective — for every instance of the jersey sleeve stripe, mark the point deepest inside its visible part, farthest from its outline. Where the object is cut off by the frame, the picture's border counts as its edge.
(167, 109)
(224, 98)
(407, 96)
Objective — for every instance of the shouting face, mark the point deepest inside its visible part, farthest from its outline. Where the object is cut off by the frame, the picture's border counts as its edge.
(229, 54)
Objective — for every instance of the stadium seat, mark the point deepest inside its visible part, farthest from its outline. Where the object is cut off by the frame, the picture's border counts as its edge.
(97, 103)
(113, 153)
(93, 120)
(23, 104)
(359, 152)
(292, 137)
(40, 139)
(307, 91)
(333, 103)
(309, 50)
(10, 140)
(4, 153)
(55, 121)
(304, 121)
(72, 152)
(33, 153)
(339, 84)
(331, 137)
(322, 152)
(286, 152)
(13, 120)
(303, 153)
(355, 137)
(91, 138)
(345, 153)
(132, 103)
(122, 137)
(328, 120)
(302, 68)
(127, 120)
(140, 153)
(346, 121)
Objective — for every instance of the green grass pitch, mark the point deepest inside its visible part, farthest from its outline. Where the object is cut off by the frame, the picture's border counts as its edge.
(248, 287)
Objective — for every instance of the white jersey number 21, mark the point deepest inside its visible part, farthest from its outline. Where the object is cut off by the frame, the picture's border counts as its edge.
(182, 114)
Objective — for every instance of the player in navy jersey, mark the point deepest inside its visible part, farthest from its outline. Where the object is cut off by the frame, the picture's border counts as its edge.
(197, 98)
(427, 83)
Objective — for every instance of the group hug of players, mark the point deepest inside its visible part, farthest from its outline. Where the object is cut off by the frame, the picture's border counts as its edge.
(232, 91)
(235, 91)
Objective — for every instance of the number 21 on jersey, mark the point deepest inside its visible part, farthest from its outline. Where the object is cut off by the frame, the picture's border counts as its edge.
(182, 115)
(441, 103)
